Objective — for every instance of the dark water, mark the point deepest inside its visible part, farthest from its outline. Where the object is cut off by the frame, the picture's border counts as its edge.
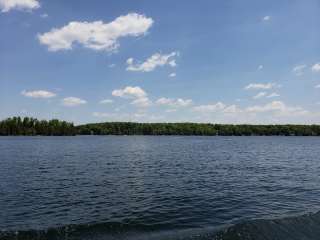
(143, 187)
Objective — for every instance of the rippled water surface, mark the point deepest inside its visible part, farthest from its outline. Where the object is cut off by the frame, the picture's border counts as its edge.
(153, 184)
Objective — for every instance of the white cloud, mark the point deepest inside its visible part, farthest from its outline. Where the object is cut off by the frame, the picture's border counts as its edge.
(172, 75)
(106, 101)
(139, 96)
(276, 106)
(129, 92)
(210, 107)
(266, 18)
(316, 67)
(270, 113)
(299, 69)
(260, 95)
(172, 63)
(96, 35)
(317, 86)
(260, 67)
(7, 5)
(174, 102)
(256, 86)
(265, 94)
(112, 65)
(142, 102)
(73, 101)
(272, 95)
(156, 60)
(129, 61)
(38, 94)
(164, 101)
(273, 106)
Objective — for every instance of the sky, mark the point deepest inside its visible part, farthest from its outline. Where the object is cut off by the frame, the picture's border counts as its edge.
(232, 61)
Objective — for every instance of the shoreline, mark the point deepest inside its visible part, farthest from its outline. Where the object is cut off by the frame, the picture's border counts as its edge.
(17, 126)
(163, 135)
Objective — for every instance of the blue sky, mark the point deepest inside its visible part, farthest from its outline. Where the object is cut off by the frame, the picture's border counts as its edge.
(161, 61)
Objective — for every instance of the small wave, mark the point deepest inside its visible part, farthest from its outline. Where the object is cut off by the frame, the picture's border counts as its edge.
(108, 230)
(305, 227)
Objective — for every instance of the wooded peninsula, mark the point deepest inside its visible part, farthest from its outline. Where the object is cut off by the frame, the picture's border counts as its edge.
(27, 126)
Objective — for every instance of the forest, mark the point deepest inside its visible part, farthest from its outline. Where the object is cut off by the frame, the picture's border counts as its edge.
(28, 126)
(200, 129)
(31, 126)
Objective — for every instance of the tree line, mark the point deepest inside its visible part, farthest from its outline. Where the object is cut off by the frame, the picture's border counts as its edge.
(28, 126)
(32, 126)
(200, 129)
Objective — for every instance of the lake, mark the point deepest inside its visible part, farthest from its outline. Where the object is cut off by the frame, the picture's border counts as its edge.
(152, 187)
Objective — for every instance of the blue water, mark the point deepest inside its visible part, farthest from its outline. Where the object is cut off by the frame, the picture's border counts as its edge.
(130, 187)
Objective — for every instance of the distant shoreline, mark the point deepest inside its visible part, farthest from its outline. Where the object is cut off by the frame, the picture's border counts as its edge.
(27, 126)
(140, 135)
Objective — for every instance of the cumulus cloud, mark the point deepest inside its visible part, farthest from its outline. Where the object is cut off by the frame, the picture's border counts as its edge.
(260, 95)
(156, 60)
(73, 101)
(172, 75)
(316, 67)
(266, 18)
(257, 86)
(96, 35)
(299, 69)
(130, 61)
(38, 94)
(139, 96)
(275, 111)
(276, 106)
(28, 5)
(106, 101)
(219, 112)
(174, 102)
(129, 92)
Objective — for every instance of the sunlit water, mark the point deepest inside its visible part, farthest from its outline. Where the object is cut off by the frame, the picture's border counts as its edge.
(155, 186)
